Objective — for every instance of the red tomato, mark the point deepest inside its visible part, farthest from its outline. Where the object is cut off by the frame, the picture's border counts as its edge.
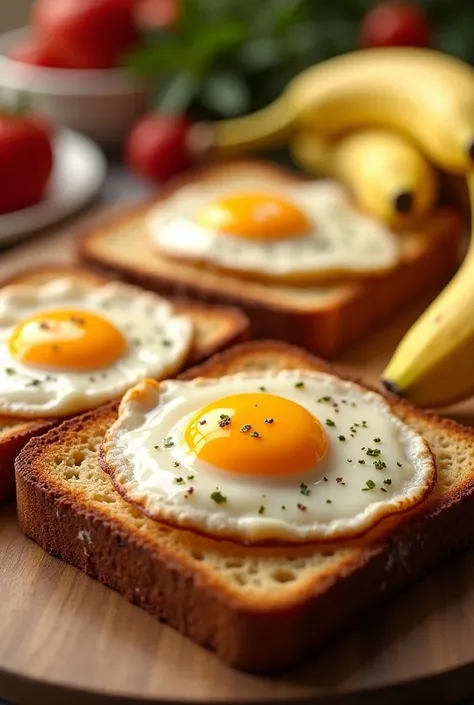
(26, 161)
(33, 52)
(156, 147)
(85, 34)
(395, 24)
(151, 14)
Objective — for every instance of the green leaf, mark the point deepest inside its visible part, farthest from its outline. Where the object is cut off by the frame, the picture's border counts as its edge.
(152, 60)
(193, 18)
(177, 93)
(226, 93)
(217, 38)
(261, 54)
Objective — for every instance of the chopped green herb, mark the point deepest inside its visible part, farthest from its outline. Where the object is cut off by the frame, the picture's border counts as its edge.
(9, 371)
(324, 399)
(370, 486)
(340, 480)
(325, 479)
(255, 434)
(218, 497)
(176, 463)
(224, 420)
(304, 489)
(330, 422)
(179, 480)
(283, 506)
(379, 464)
(329, 501)
(246, 427)
(342, 438)
(190, 477)
(376, 440)
(202, 422)
(361, 462)
(363, 424)
(263, 389)
(348, 460)
(166, 343)
(269, 420)
(34, 383)
(382, 489)
(156, 447)
(299, 385)
(261, 510)
(373, 452)
(168, 442)
(387, 481)
(399, 464)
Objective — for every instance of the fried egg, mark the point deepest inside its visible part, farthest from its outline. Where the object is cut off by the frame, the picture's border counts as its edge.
(286, 456)
(300, 232)
(67, 346)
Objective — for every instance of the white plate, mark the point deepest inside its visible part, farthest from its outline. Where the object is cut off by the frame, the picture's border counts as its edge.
(78, 174)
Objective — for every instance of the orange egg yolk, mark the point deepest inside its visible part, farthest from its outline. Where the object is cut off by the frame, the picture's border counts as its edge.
(71, 340)
(254, 216)
(257, 434)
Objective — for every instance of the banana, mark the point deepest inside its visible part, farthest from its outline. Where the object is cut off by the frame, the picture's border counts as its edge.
(434, 363)
(423, 94)
(388, 177)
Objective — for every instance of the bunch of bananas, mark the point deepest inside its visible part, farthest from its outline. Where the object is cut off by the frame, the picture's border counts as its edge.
(382, 121)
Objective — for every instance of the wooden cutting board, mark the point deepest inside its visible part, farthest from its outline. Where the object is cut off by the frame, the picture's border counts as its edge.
(66, 639)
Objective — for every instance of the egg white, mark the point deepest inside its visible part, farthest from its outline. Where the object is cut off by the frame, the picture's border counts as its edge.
(158, 342)
(341, 502)
(342, 240)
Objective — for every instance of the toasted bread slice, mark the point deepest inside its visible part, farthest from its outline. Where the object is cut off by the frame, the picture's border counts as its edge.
(259, 608)
(320, 318)
(215, 329)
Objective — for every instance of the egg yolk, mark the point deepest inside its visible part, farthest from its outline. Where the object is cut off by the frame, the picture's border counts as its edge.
(72, 340)
(257, 434)
(254, 216)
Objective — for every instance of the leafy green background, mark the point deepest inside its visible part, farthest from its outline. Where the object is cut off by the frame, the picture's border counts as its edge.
(227, 57)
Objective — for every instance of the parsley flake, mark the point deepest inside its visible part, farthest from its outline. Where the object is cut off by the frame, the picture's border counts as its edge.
(34, 383)
(269, 420)
(179, 480)
(246, 427)
(176, 463)
(342, 438)
(373, 452)
(202, 422)
(255, 434)
(361, 462)
(224, 420)
(387, 481)
(376, 440)
(304, 489)
(261, 509)
(9, 371)
(379, 465)
(168, 442)
(329, 501)
(166, 343)
(370, 486)
(263, 389)
(399, 464)
(299, 385)
(190, 477)
(330, 422)
(218, 497)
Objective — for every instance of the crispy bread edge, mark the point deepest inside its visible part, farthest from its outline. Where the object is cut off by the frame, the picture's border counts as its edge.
(182, 594)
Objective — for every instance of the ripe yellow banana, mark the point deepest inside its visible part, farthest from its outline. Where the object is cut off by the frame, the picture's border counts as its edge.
(423, 94)
(434, 364)
(388, 176)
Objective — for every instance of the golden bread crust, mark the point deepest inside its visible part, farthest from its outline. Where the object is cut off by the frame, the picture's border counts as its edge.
(172, 574)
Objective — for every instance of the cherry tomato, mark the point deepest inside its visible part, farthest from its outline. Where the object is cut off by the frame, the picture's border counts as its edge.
(157, 148)
(26, 161)
(85, 34)
(395, 24)
(33, 52)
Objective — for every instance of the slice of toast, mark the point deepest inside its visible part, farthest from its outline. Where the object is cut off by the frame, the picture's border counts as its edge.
(320, 318)
(216, 328)
(259, 608)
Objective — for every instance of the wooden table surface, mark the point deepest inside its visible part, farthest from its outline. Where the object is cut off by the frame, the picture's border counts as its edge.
(67, 640)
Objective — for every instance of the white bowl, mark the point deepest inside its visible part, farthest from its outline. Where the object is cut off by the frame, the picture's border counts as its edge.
(101, 103)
